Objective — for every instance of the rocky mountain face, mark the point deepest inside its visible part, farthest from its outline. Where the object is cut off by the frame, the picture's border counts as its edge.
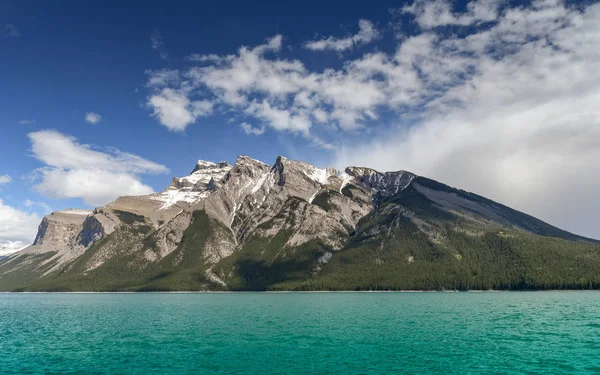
(293, 226)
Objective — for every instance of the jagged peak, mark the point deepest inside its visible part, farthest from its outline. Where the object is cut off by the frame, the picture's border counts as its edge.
(387, 183)
(282, 160)
(360, 171)
(363, 171)
(207, 165)
(244, 159)
(204, 172)
(314, 173)
(204, 163)
(279, 161)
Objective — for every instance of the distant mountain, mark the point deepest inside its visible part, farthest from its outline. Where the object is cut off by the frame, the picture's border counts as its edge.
(293, 226)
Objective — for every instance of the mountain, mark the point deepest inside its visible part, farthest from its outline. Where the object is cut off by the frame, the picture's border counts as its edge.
(293, 226)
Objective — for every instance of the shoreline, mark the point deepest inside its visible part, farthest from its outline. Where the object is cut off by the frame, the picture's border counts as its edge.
(318, 291)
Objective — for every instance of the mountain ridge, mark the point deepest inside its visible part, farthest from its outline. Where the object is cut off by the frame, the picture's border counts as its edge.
(252, 226)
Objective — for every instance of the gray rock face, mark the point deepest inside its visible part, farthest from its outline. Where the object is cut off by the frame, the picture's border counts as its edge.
(384, 184)
(242, 196)
(58, 235)
(92, 231)
(59, 228)
(289, 204)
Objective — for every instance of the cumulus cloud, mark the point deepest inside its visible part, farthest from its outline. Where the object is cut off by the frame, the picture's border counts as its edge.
(251, 130)
(281, 94)
(366, 34)
(92, 118)
(5, 179)
(17, 228)
(502, 104)
(518, 124)
(429, 14)
(174, 109)
(74, 170)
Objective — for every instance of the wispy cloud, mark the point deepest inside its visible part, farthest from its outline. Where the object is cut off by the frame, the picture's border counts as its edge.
(158, 44)
(74, 170)
(433, 13)
(251, 130)
(45, 207)
(366, 34)
(17, 228)
(5, 179)
(27, 122)
(510, 101)
(92, 118)
(11, 30)
(8, 247)
(512, 116)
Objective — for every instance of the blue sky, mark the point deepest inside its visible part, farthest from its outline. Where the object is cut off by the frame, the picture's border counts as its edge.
(486, 95)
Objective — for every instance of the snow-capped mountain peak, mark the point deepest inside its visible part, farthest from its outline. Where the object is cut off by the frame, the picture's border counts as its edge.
(204, 172)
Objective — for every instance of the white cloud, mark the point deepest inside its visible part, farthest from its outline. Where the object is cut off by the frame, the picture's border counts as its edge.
(504, 107)
(320, 115)
(158, 44)
(175, 111)
(251, 130)
(9, 247)
(93, 118)
(10, 30)
(520, 125)
(211, 58)
(281, 93)
(27, 122)
(75, 170)
(162, 78)
(29, 203)
(433, 13)
(17, 228)
(279, 118)
(366, 34)
(95, 187)
(5, 179)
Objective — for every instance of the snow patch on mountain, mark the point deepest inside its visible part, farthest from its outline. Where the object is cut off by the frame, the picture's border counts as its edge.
(399, 180)
(76, 211)
(317, 174)
(324, 176)
(260, 182)
(171, 196)
(206, 171)
(243, 159)
(312, 198)
(346, 178)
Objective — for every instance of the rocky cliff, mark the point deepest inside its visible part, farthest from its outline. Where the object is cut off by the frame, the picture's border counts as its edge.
(291, 225)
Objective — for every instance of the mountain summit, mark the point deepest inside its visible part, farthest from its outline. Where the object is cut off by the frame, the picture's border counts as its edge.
(293, 226)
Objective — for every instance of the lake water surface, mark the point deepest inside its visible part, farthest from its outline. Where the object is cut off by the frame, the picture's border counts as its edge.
(301, 333)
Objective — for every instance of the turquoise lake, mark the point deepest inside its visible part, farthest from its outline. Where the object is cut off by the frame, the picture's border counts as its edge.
(301, 333)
